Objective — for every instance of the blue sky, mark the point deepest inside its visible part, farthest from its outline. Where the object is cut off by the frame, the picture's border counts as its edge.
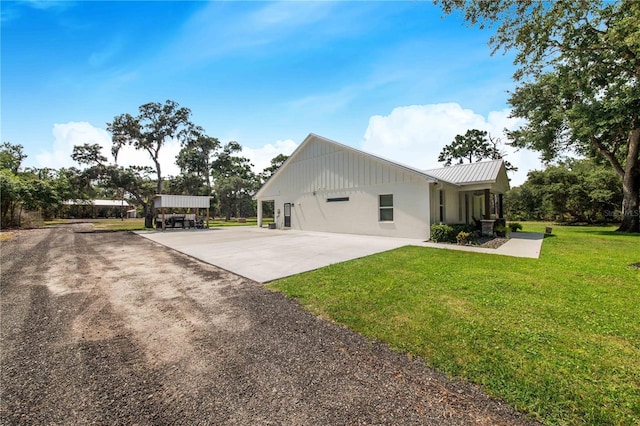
(392, 78)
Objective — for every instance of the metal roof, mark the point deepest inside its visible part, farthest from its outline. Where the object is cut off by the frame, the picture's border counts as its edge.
(181, 201)
(100, 203)
(485, 171)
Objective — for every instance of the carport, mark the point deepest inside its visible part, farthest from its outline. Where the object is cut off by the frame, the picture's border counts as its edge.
(183, 202)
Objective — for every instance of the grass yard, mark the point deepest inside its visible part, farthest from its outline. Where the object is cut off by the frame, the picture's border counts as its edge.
(556, 337)
(251, 221)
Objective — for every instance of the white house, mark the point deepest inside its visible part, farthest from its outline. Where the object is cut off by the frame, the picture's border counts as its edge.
(330, 187)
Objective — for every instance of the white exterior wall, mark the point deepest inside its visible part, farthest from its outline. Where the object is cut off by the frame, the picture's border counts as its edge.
(322, 171)
(451, 204)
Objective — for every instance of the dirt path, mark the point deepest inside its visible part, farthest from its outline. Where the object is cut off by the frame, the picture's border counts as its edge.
(111, 328)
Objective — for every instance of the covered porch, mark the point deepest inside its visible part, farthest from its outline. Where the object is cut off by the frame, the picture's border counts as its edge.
(470, 193)
(482, 204)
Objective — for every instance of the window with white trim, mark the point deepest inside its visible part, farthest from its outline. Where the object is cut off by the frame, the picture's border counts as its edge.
(386, 207)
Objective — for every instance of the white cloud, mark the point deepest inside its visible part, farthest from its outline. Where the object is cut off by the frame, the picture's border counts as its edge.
(65, 137)
(68, 135)
(261, 157)
(415, 135)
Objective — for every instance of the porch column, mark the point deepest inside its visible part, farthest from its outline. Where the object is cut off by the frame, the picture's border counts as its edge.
(500, 206)
(487, 204)
(259, 213)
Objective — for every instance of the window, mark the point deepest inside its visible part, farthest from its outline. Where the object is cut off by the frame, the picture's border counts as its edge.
(386, 208)
(442, 206)
(334, 200)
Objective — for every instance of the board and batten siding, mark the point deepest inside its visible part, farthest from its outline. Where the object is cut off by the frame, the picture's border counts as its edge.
(322, 171)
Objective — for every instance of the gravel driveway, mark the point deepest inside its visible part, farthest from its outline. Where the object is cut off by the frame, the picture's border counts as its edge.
(111, 328)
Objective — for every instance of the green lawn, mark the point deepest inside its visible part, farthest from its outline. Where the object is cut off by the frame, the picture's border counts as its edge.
(557, 337)
(251, 221)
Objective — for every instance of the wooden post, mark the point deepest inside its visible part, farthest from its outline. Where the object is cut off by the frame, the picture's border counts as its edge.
(162, 210)
(259, 214)
(487, 204)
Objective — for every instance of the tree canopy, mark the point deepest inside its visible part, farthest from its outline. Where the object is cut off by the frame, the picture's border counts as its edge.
(475, 145)
(151, 129)
(133, 181)
(234, 181)
(29, 190)
(195, 159)
(579, 79)
(572, 190)
(275, 164)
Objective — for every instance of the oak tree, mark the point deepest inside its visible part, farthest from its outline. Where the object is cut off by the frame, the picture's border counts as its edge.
(578, 79)
(155, 125)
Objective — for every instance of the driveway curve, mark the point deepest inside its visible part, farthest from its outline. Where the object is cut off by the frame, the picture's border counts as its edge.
(111, 328)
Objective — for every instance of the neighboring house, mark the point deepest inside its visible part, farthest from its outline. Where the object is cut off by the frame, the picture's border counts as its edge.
(329, 187)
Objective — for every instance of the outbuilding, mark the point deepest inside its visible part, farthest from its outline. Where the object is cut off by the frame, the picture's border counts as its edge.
(190, 206)
(95, 208)
(330, 187)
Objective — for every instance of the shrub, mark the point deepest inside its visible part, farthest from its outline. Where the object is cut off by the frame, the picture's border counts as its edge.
(514, 226)
(442, 233)
(461, 227)
(501, 231)
(463, 238)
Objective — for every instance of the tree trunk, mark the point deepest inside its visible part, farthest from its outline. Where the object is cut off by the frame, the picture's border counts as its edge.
(159, 174)
(630, 205)
(631, 186)
(145, 209)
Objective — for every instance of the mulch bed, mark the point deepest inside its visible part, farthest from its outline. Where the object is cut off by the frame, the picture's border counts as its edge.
(488, 242)
(484, 242)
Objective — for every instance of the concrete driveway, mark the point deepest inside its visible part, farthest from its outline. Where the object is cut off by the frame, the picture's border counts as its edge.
(264, 255)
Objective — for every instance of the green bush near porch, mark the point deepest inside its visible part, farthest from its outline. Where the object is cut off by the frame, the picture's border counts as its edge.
(443, 233)
(556, 337)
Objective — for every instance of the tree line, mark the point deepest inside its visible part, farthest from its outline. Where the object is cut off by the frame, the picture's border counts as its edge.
(574, 190)
(207, 167)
